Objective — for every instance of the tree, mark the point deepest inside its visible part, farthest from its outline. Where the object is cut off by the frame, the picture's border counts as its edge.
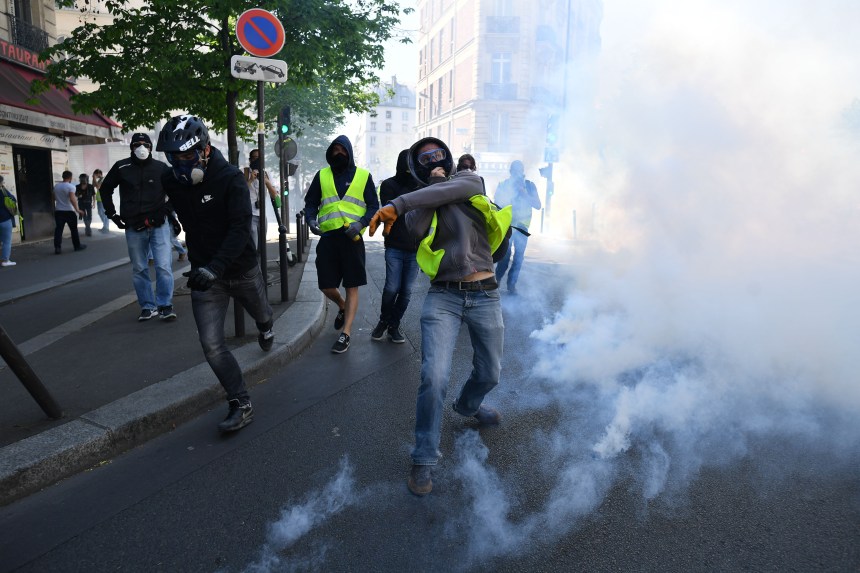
(175, 55)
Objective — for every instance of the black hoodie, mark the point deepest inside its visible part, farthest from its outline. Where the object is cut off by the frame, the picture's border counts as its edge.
(216, 216)
(342, 181)
(392, 188)
(140, 190)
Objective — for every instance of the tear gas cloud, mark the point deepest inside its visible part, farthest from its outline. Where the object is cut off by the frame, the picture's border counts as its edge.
(710, 308)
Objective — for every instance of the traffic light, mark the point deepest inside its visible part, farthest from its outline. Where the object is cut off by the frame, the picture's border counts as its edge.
(552, 130)
(284, 122)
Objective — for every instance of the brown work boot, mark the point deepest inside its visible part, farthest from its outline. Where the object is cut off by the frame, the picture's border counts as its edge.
(419, 481)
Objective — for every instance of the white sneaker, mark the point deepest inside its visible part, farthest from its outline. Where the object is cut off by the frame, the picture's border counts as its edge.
(8, 264)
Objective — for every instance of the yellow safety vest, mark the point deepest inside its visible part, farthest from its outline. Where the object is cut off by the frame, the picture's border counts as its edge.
(497, 222)
(335, 212)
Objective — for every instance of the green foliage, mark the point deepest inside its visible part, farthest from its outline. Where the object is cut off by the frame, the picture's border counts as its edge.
(174, 55)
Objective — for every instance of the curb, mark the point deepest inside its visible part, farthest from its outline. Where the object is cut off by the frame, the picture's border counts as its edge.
(44, 459)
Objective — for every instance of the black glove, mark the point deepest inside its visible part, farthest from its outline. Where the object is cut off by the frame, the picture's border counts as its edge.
(201, 278)
(81, 217)
(177, 228)
(117, 220)
(314, 227)
(353, 231)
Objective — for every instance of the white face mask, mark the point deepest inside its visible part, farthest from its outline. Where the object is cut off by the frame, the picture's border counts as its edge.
(141, 152)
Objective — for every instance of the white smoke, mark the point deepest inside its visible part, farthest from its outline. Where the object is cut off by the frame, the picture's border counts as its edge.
(298, 520)
(713, 306)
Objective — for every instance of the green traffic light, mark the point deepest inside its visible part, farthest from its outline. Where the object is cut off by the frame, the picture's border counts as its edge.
(285, 129)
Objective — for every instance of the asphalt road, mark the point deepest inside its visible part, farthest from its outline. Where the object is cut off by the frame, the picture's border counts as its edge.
(317, 482)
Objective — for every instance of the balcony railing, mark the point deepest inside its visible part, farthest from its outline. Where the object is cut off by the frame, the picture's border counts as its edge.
(26, 35)
(500, 91)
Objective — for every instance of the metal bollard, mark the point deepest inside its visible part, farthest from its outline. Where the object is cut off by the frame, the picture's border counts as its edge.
(300, 248)
(19, 365)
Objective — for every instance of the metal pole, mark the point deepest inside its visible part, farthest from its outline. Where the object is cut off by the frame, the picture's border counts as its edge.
(27, 376)
(300, 246)
(261, 180)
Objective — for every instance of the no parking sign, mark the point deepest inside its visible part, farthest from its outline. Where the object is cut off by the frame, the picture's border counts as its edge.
(260, 32)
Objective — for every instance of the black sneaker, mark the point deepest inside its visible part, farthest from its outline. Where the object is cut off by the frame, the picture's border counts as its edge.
(419, 481)
(58, 251)
(342, 344)
(239, 416)
(80, 248)
(146, 314)
(338, 320)
(396, 335)
(379, 332)
(166, 313)
(266, 340)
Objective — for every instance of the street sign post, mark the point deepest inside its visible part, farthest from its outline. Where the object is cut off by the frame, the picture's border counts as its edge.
(260, 32)
(259, 69)
(288, 150)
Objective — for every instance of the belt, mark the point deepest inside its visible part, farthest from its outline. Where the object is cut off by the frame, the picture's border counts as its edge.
(488, 283)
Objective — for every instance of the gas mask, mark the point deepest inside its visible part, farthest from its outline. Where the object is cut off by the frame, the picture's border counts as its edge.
(188, 171)
(141, 152)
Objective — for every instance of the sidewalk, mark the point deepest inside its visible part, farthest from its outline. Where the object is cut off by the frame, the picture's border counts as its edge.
(119, 382)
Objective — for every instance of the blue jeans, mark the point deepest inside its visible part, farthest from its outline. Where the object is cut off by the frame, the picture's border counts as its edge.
(443, 313)
(401, 269)
(103, 216)
(6, 239)
(210, 310)
(157, 243)
(517, 244)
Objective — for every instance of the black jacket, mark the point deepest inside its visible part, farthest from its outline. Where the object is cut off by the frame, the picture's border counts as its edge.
(342, 181)
(392, 188)
(140, 192)
(216, 216)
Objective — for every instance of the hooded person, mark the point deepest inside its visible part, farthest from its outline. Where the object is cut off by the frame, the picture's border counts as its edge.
(458, 229)
(521, 194)
(339, 204)
(143, 214)
(210, 198)
(401, 266)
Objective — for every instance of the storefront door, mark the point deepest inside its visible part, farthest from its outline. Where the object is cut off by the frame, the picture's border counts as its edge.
(33, 180)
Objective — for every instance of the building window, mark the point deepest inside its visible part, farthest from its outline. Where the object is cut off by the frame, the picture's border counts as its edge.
(404, 100)
(373, 141)
(500, 70)
(432, 49)
(387, 127)
(451, 85)
(372, 126)
(388, 114)
(404, 128)
(498, 136)
(504, 8)
(404, 116)
(441, 44)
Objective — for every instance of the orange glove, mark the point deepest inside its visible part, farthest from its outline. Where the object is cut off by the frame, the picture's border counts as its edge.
(386, 215)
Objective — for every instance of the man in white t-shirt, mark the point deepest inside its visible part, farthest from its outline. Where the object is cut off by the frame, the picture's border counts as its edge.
(66, 212)
(252, 177)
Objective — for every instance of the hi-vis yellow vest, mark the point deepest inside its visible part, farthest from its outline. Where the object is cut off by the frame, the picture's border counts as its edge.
(335, 212)
(497, 222)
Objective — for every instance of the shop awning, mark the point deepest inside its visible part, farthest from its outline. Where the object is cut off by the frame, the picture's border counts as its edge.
(53, 110)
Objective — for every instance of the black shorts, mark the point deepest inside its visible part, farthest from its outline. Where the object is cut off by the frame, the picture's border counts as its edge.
(340, 259)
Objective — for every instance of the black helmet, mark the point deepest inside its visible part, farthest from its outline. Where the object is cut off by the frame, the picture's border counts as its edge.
(420, 172)
(183, 133)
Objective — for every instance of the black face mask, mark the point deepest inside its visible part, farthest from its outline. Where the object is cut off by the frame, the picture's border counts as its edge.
(255, 164)
(339, 161)
(423, 171)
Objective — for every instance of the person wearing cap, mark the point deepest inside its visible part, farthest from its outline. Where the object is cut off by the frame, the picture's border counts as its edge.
(211, 199)
(521, 194)
(459, 230)
(143, 215)
(338, 206)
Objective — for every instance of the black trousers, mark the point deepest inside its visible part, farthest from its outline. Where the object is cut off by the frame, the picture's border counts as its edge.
(63, 218)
